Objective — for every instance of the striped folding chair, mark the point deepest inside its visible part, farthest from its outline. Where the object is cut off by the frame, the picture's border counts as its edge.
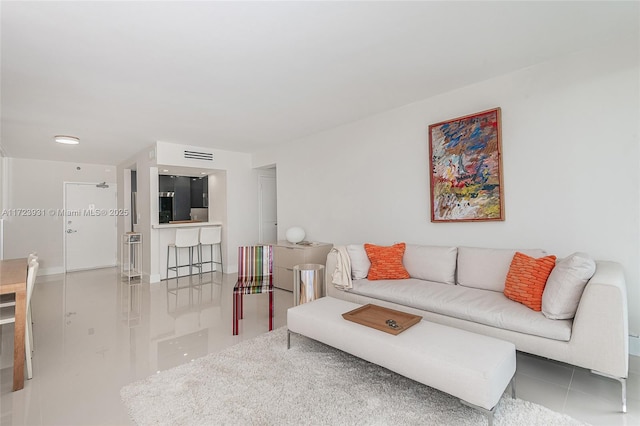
(255, 275)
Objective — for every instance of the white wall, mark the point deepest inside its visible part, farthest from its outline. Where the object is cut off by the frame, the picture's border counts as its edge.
(570, 158)
(2, 178)
(3, 192)
(39, 184)
(141, 163)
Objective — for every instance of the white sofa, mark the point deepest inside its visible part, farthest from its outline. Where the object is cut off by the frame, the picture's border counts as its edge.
(463, 287)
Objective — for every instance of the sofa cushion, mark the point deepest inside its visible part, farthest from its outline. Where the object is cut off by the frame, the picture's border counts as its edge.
(359, 261)
(487, 268)
(565, 286)
(485, 307)
(526, 279)
(386, 262)
(431, 263)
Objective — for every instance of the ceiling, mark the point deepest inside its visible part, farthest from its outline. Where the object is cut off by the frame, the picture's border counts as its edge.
(241, 76)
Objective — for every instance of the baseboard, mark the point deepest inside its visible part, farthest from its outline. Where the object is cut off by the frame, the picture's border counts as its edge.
(51, 271)
(634, 345)
(154, 278)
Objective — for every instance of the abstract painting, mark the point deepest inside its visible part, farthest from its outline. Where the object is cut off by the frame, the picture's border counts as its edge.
(466, 168)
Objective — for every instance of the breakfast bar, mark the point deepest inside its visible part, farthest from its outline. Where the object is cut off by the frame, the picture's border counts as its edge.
(167, 235)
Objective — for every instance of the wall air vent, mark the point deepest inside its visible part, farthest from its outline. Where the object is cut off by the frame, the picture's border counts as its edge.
(197, 155)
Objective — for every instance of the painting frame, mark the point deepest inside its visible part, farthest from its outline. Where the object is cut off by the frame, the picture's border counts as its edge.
(465, 168)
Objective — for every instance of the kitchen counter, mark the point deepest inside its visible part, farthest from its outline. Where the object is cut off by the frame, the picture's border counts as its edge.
(185, 223)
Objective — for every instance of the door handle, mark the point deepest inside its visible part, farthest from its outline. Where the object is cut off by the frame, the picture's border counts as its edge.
(71, 231)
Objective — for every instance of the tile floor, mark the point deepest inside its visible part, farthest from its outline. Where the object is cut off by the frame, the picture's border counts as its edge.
(94, 334)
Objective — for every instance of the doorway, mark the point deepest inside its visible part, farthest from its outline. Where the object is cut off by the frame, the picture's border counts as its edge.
(267, 206)
(90, 226)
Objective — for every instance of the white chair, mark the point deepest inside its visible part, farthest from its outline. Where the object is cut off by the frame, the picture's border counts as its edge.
(8, 316)
(7, 300)
(185, 238)
(10, 299)
(212, 236)
(32, 256)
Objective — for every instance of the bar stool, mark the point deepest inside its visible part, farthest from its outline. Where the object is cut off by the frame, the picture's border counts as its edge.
(212, 236)
(185, 238)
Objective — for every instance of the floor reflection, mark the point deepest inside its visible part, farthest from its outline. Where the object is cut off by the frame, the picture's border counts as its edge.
(131, 302)
(193, 292)
(175, 351)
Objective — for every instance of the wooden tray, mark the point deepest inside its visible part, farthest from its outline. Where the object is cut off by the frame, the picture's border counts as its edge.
(378, 317)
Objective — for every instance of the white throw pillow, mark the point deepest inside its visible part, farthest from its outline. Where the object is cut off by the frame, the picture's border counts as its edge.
(565, 286)
(360, 263)
(431, 263)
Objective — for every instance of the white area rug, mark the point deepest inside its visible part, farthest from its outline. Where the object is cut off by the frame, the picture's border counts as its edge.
(260, 382)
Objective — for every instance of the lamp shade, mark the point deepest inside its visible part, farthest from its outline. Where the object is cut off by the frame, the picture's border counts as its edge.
(295, 234)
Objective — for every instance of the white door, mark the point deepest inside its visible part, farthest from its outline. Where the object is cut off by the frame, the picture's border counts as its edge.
(268, 209)
(90, 226)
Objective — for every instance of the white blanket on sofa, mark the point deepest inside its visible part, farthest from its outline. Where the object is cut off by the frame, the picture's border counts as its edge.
(341, 276)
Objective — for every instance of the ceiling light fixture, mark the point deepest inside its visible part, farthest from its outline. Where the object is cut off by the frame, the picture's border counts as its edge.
(67, 140)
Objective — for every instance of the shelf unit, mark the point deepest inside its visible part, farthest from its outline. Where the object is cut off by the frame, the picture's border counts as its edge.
(131, 260)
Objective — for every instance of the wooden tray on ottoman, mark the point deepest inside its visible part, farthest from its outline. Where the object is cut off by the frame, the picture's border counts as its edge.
(383, 319)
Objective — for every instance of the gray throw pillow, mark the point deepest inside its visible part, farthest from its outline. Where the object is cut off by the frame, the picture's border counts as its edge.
(360, 262)
(431, 263)
(565, 286)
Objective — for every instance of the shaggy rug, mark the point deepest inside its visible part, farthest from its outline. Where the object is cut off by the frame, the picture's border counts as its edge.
(260, 382)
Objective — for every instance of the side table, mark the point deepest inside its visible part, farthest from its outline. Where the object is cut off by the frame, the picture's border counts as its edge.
(286, 255)
(131, 268)
(131, 262)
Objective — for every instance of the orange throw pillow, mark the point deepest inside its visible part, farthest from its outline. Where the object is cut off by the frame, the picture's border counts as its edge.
(526, 279)
(386, 262)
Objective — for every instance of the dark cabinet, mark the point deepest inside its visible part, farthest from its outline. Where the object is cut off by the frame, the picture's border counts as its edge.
(165, 206)
(199, 192)
(182, 198)
(179, 194)
(166, 183)
(205, 192)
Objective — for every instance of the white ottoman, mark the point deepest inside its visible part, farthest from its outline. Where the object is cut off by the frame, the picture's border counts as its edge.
(475, 368)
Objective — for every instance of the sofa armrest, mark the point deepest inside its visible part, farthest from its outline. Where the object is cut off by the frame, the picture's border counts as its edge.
(600, 334)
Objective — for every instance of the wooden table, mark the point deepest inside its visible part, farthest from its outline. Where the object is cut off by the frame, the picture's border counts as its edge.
(13, 279)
